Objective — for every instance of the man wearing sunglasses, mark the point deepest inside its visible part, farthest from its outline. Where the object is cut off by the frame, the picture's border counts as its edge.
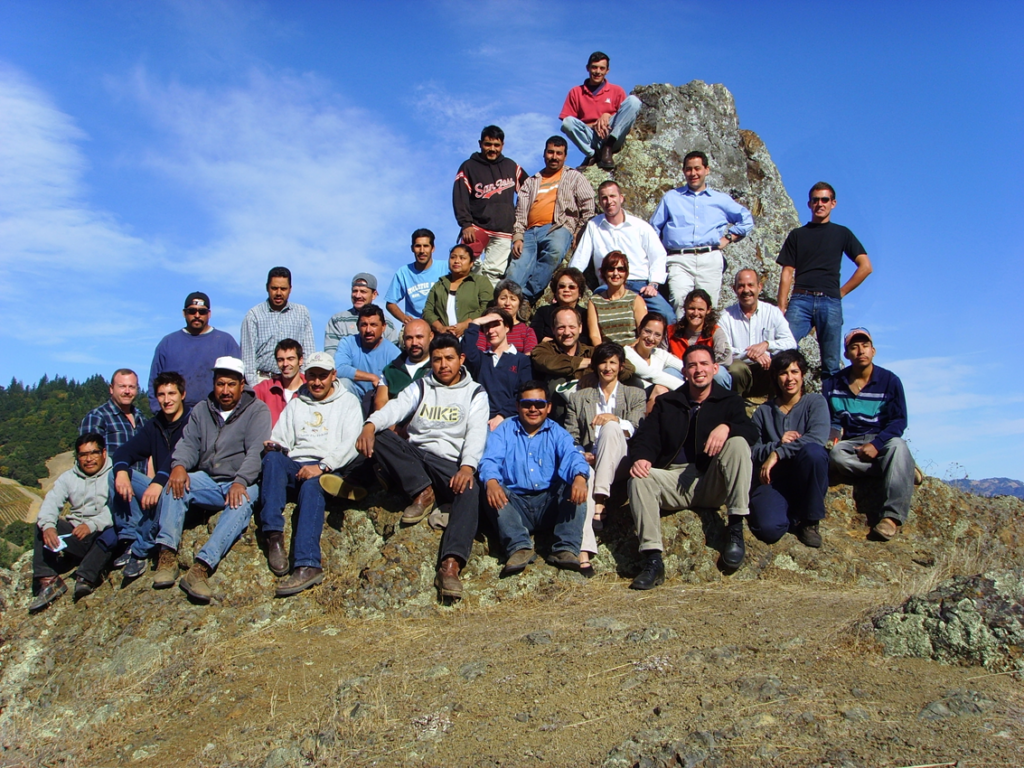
(191, 352)
(535, 478)
(812, 257)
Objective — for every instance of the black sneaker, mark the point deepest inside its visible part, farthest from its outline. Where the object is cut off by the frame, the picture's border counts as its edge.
(652, 575)
(83, 588)
(122, 559)
(809, 534)
(135, 567)
(735, 550)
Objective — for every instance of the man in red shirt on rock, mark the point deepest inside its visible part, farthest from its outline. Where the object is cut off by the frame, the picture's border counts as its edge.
(597, 115)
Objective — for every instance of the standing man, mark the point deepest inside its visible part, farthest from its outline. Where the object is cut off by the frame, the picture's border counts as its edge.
(215, 466)
(346, 322)
(554, 206)
(447, 434)
(617, 230)
(869, 413)
(756, 330)
(191, 351)
(814, 252)
(363, 358)
(597, 115)
(695, 224)
(279, 389)
(411, 366)
(311, 451)
(482, 197)
(536, 478)
(269, 322)
(407, 294)
(692, 451)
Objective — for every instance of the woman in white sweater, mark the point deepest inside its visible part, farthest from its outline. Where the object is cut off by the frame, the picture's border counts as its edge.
(658, 369)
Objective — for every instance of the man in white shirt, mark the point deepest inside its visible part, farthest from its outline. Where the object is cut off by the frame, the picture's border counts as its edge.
(617, 230)
(756, 331)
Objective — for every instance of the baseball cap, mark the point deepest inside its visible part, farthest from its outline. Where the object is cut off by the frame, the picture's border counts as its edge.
(197, 299)
(227, 363)
(854, 333)
(321, 360)
(365, 278)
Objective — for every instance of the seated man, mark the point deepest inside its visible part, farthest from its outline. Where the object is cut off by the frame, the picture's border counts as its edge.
(680, 461)
(279, 389)
(312, 449)
(597, 115)
(215, 466)
(502, 369)
(138, 499)
(346, 322)
(84, 487)
(535, 477)
(410, 366)
(363, 358)
(407, 294)
(869, 414)
(756, 331)
(447, 433)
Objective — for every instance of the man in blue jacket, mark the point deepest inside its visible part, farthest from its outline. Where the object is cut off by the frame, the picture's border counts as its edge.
(502, 369)
(137, 499)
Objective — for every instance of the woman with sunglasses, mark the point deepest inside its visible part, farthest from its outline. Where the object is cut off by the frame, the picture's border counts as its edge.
(615, 311)
(654, 365)
(509, 296)
(569, 289)
(699, 325)
(601, 418)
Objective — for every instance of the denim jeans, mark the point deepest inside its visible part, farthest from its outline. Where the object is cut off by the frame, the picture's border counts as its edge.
(825, 315)
(543, 250)
(587, 140)
(526, 512)
(135, 525)
(655, 303)
(208, 494)
(795, 495)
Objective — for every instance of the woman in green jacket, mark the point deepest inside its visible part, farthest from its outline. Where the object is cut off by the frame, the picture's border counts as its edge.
(459, 296)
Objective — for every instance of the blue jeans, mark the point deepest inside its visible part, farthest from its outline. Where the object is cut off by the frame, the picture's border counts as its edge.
(208, 494)
(587, 140)
(795, 495)
(543, 250)
(655, 303)
(279, 477)
(825, 315)
(134, 525)
(526, 512)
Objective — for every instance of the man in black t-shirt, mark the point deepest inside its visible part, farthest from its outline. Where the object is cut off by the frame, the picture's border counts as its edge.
(815, 253)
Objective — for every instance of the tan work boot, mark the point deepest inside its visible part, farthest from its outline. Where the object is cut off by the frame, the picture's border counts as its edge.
(166, 569)
(339, 487)
(447, 580)
(195, 582)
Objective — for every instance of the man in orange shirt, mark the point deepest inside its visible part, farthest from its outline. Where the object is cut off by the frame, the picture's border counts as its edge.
(554, 206)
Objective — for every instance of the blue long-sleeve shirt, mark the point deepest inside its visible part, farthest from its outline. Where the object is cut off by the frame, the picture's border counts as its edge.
(526, 464)
(879, 409)
(688, 219)
(352, 356)
(193, 357)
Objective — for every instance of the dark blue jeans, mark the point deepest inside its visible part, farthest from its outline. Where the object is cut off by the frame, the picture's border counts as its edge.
(527, 512)
(796, 494)
(825, 315)
(655, 303)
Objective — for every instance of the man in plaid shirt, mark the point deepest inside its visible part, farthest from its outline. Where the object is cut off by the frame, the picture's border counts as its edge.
(271, 321)
(118, 419)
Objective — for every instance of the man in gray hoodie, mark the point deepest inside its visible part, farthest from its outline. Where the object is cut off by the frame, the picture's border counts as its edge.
(447, 434)
(312, 451)
(215, 466)
(62, 541)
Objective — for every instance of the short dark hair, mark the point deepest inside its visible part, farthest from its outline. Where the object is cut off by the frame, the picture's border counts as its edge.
(169, 377)
(559, 310)
(472, 256)
(370, 310)
(699, 348)
(606, 351)
(598, 56)
(573, 274)
(422, 232)
(279, 272)
(698, 155)
(516, 290)
(445, 341)
(286, 344)
(821, 186)
(91, 437)
(506, 318)
(781, 362)
(526, 386)
(492, 132)
(123, 372)
(556, 141)
(608, 183)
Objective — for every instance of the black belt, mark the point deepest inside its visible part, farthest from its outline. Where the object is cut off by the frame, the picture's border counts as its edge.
(802, 292)
(702, 249)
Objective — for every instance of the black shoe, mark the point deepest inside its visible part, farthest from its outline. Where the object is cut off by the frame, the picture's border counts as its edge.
(83, 588)
(652, 575)
(735, 550)
(135, 567)
(809, 534)
(605, 156)
(122, 559)
(277, 557)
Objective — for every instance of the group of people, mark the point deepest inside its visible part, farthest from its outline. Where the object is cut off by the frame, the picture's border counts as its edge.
(479, 398)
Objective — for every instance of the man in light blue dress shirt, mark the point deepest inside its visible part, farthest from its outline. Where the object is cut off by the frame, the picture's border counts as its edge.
(695, 225)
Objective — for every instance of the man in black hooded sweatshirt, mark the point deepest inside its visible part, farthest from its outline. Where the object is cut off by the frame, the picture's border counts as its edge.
(483, 197)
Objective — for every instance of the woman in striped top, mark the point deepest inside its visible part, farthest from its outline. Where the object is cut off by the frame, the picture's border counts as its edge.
(615, 311)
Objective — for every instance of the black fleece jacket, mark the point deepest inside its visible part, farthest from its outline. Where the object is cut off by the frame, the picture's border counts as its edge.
(484, 193)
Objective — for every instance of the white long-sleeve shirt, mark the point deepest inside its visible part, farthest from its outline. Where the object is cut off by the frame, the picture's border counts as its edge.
(634, 237)
(653, 371)
(766, 324)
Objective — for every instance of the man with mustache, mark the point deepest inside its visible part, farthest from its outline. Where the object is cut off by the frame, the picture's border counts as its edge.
(363, 358)
(412, 365)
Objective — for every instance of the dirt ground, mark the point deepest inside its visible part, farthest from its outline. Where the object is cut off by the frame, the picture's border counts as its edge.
(773, 673)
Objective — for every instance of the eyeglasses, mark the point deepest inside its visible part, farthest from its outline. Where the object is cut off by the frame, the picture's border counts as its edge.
(821, 199)
(617, 269)
(89, 454)
(526, 405)
(194, 311)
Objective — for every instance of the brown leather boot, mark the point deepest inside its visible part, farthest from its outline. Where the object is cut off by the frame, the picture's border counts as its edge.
(277, 558)
(447, 580)
(420, 507)
(166, 569)
(195, 582)
(605, 155)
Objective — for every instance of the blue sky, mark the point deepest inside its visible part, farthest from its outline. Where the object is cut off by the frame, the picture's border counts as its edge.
(151, 149)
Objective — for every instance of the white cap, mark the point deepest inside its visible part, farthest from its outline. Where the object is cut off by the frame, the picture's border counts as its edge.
(228, 363)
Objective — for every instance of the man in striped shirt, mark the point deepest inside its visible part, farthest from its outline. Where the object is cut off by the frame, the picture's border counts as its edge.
(869, 414)
(271, 321)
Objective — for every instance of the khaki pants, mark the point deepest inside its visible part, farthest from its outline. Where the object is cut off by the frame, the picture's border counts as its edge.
(682, 486)
(609, 451)
(494, 256)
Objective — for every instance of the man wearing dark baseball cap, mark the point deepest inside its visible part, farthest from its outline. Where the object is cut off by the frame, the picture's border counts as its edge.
(346, 323)
(191, 351)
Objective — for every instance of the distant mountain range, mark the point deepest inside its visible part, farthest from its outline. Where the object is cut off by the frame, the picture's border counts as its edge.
(991, 486)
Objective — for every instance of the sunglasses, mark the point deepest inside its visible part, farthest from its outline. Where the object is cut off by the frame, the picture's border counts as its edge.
(528, 404)
(194, 311)
(617, 269)
(821, 199)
